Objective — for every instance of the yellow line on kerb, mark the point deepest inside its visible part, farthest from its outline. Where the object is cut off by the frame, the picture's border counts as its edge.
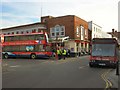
(108, 83)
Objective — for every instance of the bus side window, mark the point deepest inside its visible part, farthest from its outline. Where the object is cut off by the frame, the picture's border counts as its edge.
(39, 37)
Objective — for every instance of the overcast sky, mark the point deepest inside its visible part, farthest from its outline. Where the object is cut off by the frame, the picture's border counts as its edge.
(19, 12)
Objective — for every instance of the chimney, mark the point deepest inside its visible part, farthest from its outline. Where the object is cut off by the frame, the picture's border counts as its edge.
(116, 34)
(113, 30)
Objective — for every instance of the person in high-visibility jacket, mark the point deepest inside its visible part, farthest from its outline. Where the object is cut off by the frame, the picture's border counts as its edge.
(64, 53)
(59, 53)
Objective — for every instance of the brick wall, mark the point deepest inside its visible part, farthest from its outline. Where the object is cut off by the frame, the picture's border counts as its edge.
(70, 22)
(66, 21)
(77, 22)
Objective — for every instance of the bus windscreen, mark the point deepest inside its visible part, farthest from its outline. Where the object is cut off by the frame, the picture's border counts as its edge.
(103, 49)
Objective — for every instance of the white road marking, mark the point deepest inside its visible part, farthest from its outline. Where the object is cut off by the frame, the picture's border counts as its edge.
(15, 66)
(83, 67)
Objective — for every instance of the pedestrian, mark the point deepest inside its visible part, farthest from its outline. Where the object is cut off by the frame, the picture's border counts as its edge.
(59, 53)
(64, 53)
(53, 52)
(68, 53)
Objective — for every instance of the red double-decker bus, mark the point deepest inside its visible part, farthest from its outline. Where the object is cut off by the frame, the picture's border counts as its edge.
(32, 45)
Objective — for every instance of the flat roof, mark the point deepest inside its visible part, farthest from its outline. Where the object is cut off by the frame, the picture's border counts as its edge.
(22, 26)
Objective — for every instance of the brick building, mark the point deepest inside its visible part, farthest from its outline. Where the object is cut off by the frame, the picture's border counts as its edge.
(72, 26)
(59, 28)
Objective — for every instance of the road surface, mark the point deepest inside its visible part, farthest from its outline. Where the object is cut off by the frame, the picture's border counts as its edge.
(69, 73)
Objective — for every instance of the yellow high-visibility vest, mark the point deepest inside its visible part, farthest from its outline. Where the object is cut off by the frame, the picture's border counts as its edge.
(58, 52)
(64, 53)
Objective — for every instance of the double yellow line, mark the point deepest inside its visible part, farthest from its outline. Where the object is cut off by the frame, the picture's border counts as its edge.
(108, 83)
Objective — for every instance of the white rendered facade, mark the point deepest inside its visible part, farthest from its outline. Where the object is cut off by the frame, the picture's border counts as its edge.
(105, 35)
(23, 29)
(96, 30)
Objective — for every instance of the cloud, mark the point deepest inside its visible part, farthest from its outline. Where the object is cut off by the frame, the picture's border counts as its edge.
(9, 20)
(15, 22)
(102, 12)
(17, 14)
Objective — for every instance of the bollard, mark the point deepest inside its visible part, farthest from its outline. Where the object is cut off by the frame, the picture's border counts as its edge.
(56, 56)
(117, 68)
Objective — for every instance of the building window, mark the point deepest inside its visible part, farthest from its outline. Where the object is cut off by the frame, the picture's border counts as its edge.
(27, 32)
(22, 32)
(62, 29)
(57, 30)
(17, 32)
(77, 32)
(53, 29)
(82, 32)
(12, 32)
(86, 35)
(39, 30)
(34, 30)
(57, 34)
(85, 31)
(62, 33)
(53, 34)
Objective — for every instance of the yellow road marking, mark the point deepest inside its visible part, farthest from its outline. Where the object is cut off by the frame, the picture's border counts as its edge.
(108, 83)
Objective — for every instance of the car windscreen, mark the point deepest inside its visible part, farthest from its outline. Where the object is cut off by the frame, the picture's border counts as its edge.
(103, 49)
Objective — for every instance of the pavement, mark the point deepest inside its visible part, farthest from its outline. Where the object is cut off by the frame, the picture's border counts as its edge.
(114, 79)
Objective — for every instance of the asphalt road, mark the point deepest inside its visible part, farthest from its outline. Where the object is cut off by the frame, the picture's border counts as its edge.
(69, 73)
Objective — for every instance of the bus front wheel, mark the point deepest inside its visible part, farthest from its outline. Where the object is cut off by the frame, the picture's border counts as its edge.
(33, 56)
(91, 65)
